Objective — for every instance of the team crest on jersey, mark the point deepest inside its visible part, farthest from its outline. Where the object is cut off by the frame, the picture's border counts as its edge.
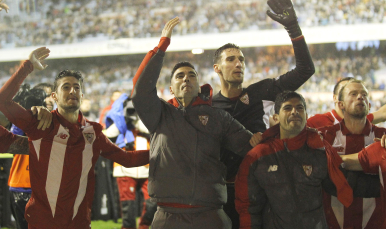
(204, 119)
(307, 169)
(245, 99)
(89, 137)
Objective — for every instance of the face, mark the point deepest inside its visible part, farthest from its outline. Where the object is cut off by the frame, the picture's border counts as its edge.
(116, 95)
(184, 83)
(49, 100)
(69, 94)
(231, 66)
(292, 116)
(355, 101)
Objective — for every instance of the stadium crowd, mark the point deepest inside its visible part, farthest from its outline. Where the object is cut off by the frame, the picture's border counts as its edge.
(44, 22)
(103, 75)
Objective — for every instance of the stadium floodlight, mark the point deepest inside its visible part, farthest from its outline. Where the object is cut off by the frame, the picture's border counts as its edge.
(197, 51)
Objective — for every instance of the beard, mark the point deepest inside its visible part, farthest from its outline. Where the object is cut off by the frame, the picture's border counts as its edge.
(70, 108)
(357, 113)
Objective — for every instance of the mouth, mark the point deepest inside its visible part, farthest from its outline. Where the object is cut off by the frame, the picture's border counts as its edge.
(239, 72)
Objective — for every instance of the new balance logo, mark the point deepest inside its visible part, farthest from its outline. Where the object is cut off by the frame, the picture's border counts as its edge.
(272, 168)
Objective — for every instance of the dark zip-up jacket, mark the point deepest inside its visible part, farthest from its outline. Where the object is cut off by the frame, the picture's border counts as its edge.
(185, 165)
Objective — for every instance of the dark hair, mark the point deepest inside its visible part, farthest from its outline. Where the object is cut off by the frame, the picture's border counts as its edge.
(336, 87)
(217, 54)
(340, 97)
(67, 73)
(44, 86)
(28, 98)
(180, 65)
(285, 96)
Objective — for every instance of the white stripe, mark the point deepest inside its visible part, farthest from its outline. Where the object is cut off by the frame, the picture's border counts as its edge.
(340, 141)
(368, 210)
(36, 145)
(335, 120)
(86, 166)
(369, 139)
(338, 209)
(55, 167)
(267, 106)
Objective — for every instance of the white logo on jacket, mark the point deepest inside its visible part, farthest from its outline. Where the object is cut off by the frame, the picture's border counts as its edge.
(272, 168)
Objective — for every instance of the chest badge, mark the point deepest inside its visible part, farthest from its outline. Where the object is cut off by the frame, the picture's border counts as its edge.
(307, 169)
(204, 119)
(245, 99)
(89, 137)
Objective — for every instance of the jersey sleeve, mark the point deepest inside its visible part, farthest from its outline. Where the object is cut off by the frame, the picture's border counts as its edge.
(6, 139)
(15, 113)
(126, 158)
(144, 94)
(250, 196)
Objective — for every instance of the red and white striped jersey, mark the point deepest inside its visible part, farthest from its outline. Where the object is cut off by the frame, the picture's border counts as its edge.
(328, 119)
(363, 213)
(62, 161)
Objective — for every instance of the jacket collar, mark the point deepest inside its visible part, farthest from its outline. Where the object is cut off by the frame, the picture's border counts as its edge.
(64, 122)
(203, 98)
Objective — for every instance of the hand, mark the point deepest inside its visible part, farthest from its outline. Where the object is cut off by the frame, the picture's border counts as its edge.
(382, 140)
(284, 12)
(44, 115)
(3, 6)
(38, 56)
(168, 29)
(256, 139)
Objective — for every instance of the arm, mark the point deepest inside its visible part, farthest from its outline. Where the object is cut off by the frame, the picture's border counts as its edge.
(250, 197)
(126, 158)
(3, 6)
(284, 13)
(379, 115)
(144, 94)
(236, 138)
(13, 111)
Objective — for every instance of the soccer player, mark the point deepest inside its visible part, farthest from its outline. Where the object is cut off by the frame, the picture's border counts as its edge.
(186, 176)
(251, 105)
(63, 156)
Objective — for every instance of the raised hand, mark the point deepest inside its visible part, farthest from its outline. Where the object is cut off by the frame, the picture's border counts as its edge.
(256, 139)
(284, 12)
(44, 115)
(3, 6)
(38, 56)
(168, 29)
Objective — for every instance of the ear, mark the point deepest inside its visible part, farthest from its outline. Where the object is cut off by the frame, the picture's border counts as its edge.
(216, 68)
(171, 91)
(341, 105)
(335, 98)
(199, 89)
(369, 106)
(275, 118)
(306, 115)
(53, 95)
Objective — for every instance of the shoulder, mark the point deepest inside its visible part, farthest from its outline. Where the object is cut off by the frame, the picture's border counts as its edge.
(320, 120)
(260, 84)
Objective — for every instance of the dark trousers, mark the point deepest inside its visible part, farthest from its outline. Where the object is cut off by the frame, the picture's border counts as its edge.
(230, 208)
(18, 202)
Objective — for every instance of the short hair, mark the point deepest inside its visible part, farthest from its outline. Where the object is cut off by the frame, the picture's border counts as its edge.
(217, 54)
(180, 65)
(285, 96)
(340, 97)
(44, 86)
(28, 98)
(336, 87)
(67, 73)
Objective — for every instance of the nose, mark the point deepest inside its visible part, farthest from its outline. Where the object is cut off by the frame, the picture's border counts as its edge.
(72, 91)
(361, 96)
(294, 111)
(186, 78)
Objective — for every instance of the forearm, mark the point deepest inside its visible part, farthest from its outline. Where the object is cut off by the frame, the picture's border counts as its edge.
(19, 146)
(13, 111)
(379, 115)
(351, 162)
